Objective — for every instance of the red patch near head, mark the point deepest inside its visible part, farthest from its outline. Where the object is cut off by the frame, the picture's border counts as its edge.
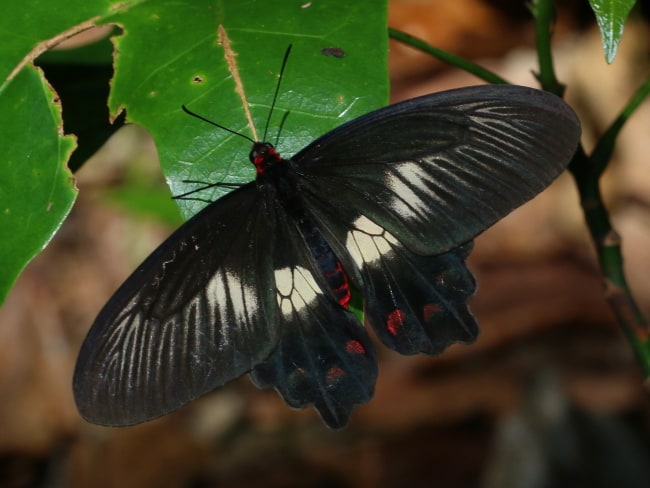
(429, 310)
(395, 321)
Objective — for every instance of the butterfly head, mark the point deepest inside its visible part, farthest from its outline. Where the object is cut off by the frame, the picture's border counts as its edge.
(264, 156)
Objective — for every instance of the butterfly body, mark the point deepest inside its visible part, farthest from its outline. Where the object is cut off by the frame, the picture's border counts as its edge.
(259, 281)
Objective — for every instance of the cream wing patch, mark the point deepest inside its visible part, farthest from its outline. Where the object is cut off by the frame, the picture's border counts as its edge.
(296, 288)
(368, 242)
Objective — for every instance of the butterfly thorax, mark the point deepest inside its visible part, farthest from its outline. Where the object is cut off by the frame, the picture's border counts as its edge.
(264, 156)
(273, 170)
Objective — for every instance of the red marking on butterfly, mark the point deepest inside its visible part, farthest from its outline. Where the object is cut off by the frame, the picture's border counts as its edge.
(342, 292)
(263, 155)
(334, 374)
(395, 321)
(354, 347)
(429, 310)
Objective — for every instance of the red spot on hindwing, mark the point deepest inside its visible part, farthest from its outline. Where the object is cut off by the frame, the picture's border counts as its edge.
(395, 321)
(354, 347)
(429, 310)
(334, 373)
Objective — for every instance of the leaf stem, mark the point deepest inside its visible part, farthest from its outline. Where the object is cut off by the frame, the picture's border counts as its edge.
(544, 14)
(446, 57)
(605, 146)
(587, 171)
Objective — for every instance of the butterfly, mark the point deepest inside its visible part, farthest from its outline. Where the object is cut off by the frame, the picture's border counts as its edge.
(260, 280)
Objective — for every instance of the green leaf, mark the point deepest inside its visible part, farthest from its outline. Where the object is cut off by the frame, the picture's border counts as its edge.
(186, 66)
(37, 190)
(168, 56)
(611, 16)
(81, 77)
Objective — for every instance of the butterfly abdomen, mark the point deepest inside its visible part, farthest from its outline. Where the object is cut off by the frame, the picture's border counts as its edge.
(275, 172)
(328, 264)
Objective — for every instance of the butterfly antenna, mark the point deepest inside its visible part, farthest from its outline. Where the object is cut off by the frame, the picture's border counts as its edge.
(183, 196)
(200, 117)
(284, 118)
(277, 90)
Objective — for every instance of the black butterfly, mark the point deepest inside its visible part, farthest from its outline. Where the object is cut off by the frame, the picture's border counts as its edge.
(259, 281)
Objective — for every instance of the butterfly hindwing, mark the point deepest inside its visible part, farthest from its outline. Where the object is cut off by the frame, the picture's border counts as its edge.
(198, 312)
(324, 357)
(437, 170)
(416, 304)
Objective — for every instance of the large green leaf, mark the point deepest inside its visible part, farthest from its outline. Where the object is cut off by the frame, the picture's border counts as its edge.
(186, 66)
(37, 190)
(611, 16)
(167, 56)
(81, 77)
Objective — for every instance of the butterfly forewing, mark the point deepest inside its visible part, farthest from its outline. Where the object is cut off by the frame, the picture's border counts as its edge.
(200, 311)
(437, 170)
